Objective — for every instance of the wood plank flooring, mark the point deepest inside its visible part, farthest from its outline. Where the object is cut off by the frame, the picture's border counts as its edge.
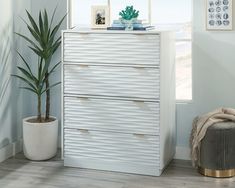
(17, 172)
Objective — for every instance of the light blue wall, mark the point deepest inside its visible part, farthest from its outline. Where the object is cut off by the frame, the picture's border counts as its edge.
(12, 107)
(15, 104)
(213, 73)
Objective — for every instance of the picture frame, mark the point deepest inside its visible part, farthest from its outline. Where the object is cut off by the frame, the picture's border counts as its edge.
(100, 17)
(219, 15)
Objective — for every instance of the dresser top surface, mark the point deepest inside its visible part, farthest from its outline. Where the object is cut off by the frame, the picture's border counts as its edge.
(112, 31)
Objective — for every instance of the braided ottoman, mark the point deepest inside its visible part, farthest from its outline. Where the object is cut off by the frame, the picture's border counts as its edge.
(217, 156)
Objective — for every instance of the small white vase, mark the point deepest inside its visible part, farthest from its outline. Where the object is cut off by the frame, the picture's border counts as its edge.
(128, 24)
(40, 139)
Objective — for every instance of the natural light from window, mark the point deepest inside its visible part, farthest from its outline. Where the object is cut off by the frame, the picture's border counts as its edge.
(178, 16)
(165, 14)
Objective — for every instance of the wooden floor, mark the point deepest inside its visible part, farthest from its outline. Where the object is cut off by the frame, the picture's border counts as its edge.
(18, 172)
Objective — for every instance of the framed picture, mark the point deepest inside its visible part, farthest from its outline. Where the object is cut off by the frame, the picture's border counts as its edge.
(100, 17)
(219, 14)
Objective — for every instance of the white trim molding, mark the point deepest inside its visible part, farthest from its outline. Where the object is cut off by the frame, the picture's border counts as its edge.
(182, 153)
(10, 150)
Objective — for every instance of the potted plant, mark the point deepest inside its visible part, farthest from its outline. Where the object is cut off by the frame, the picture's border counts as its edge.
(128, 17)
(40, 133)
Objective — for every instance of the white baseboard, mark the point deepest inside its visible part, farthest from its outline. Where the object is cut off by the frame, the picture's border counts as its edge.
(182, 153)
(10, 150)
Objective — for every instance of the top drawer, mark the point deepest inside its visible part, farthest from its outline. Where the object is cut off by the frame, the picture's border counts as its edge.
(122, 49)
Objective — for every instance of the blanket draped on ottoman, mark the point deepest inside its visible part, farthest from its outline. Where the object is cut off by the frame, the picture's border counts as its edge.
(200, 126)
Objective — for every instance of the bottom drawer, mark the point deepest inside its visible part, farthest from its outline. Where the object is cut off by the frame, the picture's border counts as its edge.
(133, 149)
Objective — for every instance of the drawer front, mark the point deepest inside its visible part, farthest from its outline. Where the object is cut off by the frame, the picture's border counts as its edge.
(112, 81)
(111, 49)
(112, 115)
(130, 148)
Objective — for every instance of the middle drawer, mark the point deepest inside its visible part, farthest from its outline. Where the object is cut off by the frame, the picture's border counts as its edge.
(112, 115)
(112, 81)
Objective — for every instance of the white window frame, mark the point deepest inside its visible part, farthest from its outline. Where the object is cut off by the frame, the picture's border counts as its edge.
(188, 101)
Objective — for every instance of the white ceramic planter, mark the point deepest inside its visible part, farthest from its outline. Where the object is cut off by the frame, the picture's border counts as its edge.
(40, 139)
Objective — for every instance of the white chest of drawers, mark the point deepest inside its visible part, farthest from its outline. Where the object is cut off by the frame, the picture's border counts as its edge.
(118, 100)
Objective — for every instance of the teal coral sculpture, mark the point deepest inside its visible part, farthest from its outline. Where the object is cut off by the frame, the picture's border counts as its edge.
(129, 13)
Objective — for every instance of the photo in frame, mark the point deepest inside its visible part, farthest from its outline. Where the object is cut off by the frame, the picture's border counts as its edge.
(219, 14)
(100, 17)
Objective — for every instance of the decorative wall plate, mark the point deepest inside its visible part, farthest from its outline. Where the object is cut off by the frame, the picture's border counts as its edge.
(219, 14)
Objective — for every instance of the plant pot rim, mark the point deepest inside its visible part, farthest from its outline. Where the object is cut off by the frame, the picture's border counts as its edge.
(25, 120)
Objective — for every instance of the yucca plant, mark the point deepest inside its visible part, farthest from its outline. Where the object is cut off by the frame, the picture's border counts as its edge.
(34, 82)
(44, 43)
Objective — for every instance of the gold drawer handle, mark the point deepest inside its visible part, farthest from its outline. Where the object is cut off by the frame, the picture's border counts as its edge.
(138, 101)
(84, 35)
(83, 98)
(139, 68)
(142, 105)
(84, 66)
(139, 35)
(84, 131)
(139, 135)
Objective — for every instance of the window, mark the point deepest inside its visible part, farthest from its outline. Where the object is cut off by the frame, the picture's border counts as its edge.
(176, 15)
(165, 14)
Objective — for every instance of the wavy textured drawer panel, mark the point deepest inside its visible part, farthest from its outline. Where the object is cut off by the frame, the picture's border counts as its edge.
(111, 48)
(142, 150)
(112, 81)
(112, 115)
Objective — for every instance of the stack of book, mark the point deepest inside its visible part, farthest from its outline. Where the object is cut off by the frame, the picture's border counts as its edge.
(137, 25)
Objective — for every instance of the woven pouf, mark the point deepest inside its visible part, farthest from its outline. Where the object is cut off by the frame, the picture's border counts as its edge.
(217, 156)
